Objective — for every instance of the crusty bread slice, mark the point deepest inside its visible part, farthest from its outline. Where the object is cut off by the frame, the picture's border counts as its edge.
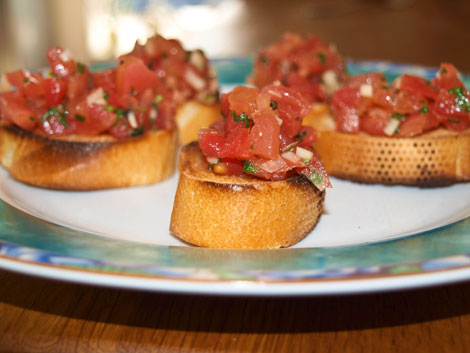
(87, 162)
(234, 212)
(193, 115)
(436, 158)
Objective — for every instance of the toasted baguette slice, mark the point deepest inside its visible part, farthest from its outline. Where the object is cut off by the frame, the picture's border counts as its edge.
(193, 115)
(87, 162)
(436, 158)
(240, 212)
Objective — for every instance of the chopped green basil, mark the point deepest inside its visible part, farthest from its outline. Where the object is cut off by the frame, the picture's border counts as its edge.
(460, 99)
(26, 80)
(109, 108)
(138, 131)
(249, 168)
(80, 68)
(32, 118)
(424, 109)
(164, 55)
(120, 113)
(398, 116)
(51, 112)
(300, 135)
(106, 96)
(62, 119)
(80, 117)
(322, 58)
(443, 71)
(273, 104)
(243, 117)
(264, 60)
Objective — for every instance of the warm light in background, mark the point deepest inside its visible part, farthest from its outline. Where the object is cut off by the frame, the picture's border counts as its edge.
(114, 26)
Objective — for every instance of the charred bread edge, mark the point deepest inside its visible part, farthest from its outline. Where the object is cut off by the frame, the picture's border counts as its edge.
(87, 162)
(238, 212)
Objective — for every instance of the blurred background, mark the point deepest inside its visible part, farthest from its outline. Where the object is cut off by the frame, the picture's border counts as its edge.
(423, 32)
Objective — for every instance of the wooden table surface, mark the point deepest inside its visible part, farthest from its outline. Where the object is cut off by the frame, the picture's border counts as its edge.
(40, 315)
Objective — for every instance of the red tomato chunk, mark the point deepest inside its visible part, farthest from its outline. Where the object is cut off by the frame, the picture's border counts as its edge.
(408, 107)
(261, 134)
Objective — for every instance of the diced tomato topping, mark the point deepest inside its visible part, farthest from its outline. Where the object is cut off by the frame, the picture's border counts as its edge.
(250, 138)
(61, 62)
(79, 84)
(447, 77)
(133, 76)
(417, 85)
(367, 103)
(416, 123)
(187, 74)
(243, 100)
(300, 62)
(105, 79)
(14, 109)
(54, 90)
(264, 136)
(374, 121)
(124, 101)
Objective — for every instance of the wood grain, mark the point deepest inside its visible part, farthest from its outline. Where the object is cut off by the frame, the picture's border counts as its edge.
(39, 315)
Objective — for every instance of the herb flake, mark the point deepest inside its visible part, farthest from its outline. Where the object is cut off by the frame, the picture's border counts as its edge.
(322, 58)
(243, 117)
(460, 99)
(249, 168)
(80, 117)
(398, 116)
(80, 68)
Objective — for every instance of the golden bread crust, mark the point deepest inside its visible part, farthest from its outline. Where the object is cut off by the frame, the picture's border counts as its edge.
(193, 115)
(436, 158)
(240, 212)
(87, 163)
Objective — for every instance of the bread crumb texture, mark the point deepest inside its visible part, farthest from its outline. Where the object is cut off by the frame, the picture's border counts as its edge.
(438, 158)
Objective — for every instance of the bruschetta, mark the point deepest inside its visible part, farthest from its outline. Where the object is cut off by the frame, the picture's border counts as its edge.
(308, 64)
(411, 132)
(190, 79)
(253, 180)
(74, 129)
